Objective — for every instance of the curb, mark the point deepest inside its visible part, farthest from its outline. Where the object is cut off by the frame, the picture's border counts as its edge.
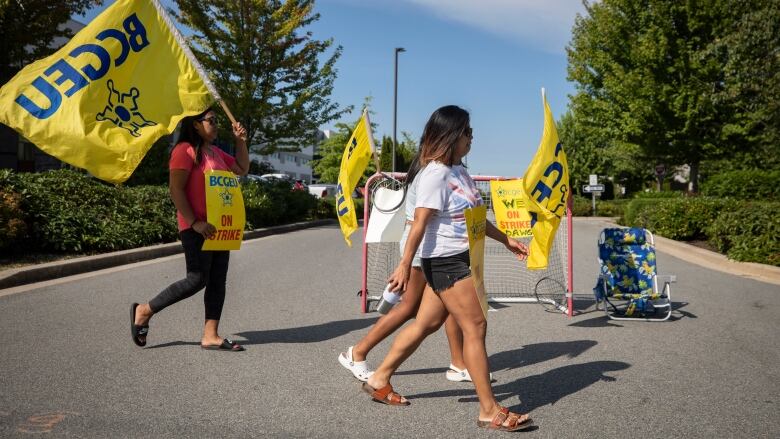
(706, 258)
(69, 267)
(717, 261)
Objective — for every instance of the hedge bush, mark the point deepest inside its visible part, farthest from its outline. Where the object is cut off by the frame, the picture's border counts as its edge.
(68, 211)
(675, 218)
(12, 226)
(754, 185)
(748, 233)
(661, 194)
(583, 206)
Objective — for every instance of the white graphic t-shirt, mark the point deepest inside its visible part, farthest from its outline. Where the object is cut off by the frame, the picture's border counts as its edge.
(449, 190)
(411, 199)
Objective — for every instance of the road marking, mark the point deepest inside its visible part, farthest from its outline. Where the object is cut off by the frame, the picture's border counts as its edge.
(44, 423)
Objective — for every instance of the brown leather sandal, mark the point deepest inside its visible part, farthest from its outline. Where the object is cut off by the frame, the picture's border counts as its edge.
(385, 395)
(513, 421)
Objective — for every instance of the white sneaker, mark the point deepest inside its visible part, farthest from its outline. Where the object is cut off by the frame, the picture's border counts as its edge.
(360, 369)
(459, 376)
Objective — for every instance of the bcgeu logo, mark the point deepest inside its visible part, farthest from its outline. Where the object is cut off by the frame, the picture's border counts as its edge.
(227, 197)
(122, 110)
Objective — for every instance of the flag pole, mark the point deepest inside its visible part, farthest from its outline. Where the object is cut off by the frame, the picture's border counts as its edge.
(371, 140)
(188, 53)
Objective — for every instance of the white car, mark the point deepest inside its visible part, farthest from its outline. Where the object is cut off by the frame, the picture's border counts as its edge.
(270, 177)
(322, 190)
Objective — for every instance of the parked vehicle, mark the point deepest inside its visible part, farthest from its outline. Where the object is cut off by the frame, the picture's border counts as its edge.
(277, 177)
(252, 178)
(322, 190)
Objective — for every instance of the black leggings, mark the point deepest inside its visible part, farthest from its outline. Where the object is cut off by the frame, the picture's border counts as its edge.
(204, 269)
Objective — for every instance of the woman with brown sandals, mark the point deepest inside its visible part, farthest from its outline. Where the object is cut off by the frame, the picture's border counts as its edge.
(444, 191)
(354, 358)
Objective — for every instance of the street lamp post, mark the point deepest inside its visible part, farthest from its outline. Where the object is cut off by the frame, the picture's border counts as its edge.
(395, 99)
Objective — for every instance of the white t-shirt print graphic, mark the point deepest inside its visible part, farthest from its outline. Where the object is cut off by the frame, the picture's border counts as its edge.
(449, 190)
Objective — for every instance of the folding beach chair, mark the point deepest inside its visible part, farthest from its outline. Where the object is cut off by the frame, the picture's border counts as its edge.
(628, 283)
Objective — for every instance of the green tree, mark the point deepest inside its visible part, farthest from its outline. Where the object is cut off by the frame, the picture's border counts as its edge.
(651, 73)
(589, 152)
(28, 28)
(261, 168)
(266, 66)
(404, 153)
(751, 87)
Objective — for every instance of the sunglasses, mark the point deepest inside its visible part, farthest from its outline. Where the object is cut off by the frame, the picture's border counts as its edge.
(212, 120)
(467, 132)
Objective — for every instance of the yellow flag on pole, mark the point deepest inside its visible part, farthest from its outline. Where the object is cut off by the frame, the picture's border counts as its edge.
(101, 101)
(546, 187)
(357, 153)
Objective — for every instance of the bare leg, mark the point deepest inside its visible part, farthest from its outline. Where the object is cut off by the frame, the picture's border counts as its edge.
(210, 334)
(462, 303)
(429, 319)
(455, 340)
(397, 316)
(143, 313)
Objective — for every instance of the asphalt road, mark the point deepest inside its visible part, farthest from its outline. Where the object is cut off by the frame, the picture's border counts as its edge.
(69, 369)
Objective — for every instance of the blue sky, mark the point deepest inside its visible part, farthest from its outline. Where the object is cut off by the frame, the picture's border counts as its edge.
(491, 57)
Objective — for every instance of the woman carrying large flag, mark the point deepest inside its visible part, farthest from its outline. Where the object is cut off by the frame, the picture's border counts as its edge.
(193, 157)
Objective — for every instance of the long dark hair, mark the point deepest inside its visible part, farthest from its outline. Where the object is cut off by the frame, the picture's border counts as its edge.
(414, 169)
(189, 134)
(441, 134)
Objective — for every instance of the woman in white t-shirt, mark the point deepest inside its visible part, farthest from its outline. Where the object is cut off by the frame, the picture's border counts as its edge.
(444, 191)
(354, 358)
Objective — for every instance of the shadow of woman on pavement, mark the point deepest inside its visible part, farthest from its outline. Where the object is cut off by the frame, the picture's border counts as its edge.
(538, 390)
(524, 356)
(306, 334)
(300, 334)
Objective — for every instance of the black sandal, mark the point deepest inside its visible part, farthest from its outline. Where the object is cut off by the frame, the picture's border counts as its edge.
(137, 331)
(227, 345)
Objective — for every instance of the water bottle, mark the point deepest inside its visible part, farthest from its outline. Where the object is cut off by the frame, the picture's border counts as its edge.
(389, 299)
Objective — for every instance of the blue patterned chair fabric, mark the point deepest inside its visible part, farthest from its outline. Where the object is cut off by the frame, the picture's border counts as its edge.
(628, 264)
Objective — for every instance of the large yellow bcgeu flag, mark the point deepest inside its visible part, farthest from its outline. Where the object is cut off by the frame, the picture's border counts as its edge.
(101, 101)
(357, 153)
(546, 187)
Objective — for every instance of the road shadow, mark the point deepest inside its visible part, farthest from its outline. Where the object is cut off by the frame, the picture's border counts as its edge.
(175, 343)
(537, 353)
(306, 334)
(539, 390)
(429, 370)
(602, 321)
(524, 356)
(301, 334)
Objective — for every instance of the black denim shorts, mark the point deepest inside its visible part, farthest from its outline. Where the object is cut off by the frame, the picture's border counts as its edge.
(442, 273)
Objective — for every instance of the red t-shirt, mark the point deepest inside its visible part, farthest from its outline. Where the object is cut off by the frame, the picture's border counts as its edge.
(183, 157)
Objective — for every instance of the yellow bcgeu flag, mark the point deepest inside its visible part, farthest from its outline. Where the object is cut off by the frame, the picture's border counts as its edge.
(225, 210)
(475, 224)
(508, 199)
(546, 187)
(101, 101)
(357, 153)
